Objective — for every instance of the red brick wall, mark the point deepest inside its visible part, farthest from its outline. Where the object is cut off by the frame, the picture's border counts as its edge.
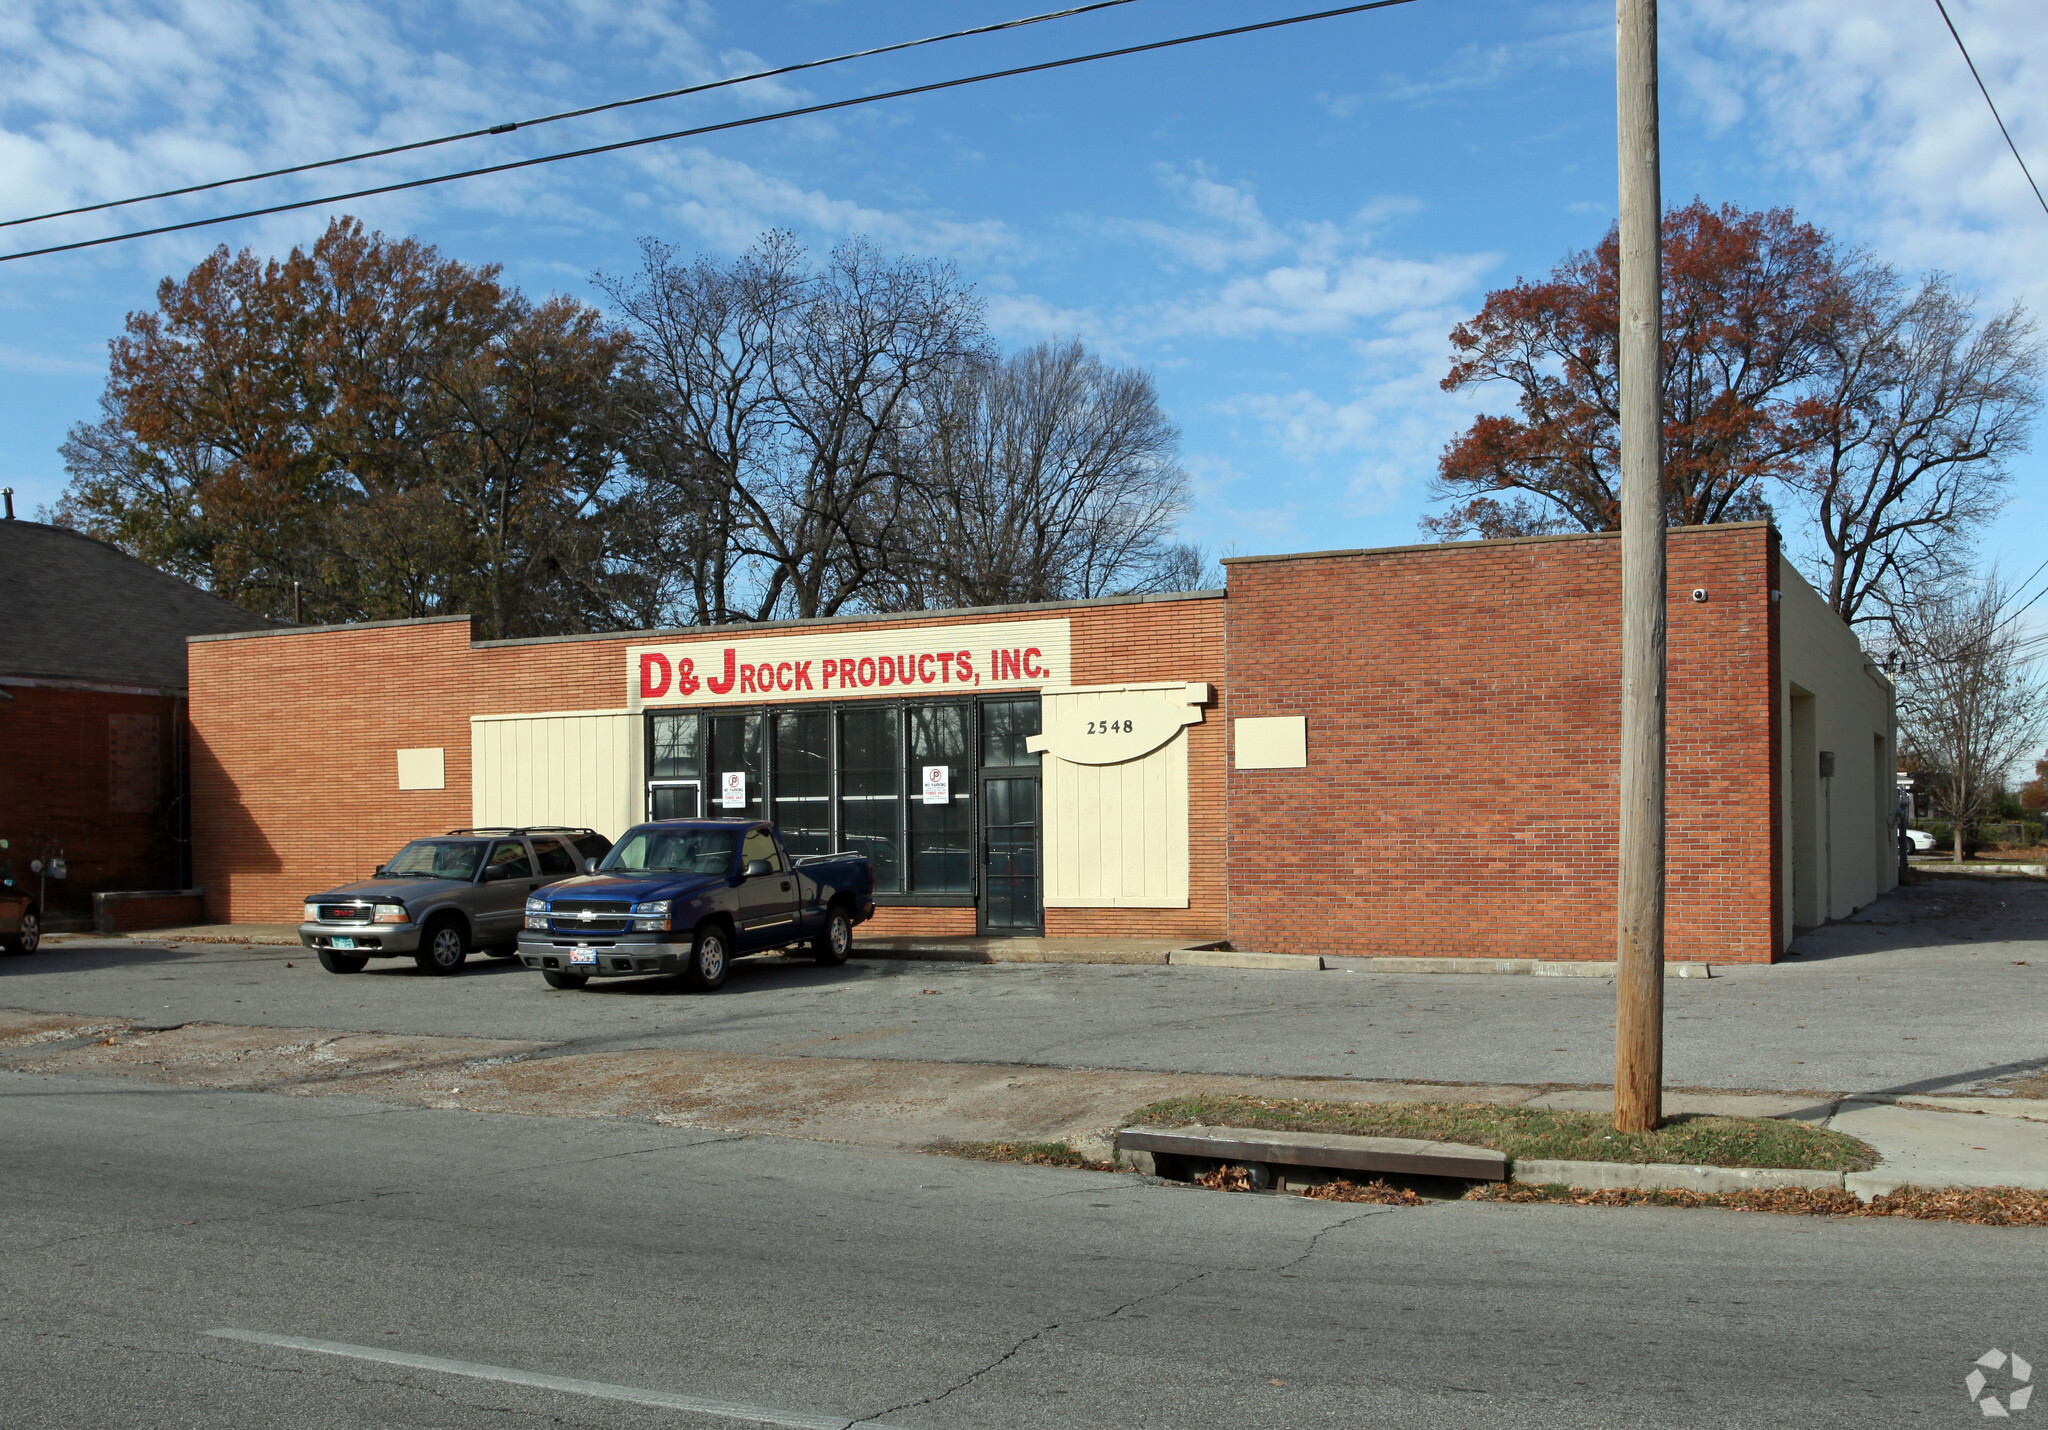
(59, 788)
(1462, 707)
(294, 772)
(294, 775)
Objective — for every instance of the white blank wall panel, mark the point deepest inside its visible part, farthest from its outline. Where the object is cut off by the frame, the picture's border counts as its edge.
(1116, 836)
(575, 768)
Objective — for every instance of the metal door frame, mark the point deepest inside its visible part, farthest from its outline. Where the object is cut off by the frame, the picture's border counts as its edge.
(981, 900)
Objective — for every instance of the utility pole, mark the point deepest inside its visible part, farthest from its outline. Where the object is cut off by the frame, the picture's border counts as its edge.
(1639, 980)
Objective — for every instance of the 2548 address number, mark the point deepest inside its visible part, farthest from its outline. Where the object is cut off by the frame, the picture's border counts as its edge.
(1109, 727)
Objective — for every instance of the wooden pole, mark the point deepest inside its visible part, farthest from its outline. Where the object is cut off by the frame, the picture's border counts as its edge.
(1639, 984)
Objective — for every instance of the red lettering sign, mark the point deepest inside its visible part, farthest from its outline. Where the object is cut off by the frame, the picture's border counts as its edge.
(654, 675)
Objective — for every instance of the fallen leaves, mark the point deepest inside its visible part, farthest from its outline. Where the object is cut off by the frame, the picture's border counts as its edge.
(1980, 1206)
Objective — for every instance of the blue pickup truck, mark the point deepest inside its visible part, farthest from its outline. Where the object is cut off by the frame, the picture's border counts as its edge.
(687, 896)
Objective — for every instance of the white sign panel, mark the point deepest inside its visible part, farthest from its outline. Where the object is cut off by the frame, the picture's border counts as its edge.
(938, 784)
(733, 783)
(823, 665)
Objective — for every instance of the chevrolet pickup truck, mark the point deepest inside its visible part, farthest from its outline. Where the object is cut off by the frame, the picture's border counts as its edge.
(687, 896)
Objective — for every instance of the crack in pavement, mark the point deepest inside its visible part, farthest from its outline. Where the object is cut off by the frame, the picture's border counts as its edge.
(1314, 1241)
(238, 1219)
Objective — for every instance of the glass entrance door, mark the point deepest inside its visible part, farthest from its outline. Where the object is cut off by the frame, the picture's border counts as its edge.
(1010, 891)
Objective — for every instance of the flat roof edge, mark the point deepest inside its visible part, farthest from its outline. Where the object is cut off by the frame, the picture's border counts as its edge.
(1492, 542)
(749, 627)
(318, 630)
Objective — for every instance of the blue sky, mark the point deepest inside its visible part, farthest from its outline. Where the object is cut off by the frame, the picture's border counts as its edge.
(1283, 228)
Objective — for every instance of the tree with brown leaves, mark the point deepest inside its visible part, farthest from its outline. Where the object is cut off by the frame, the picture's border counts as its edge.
(392, 432)
(1747, 299)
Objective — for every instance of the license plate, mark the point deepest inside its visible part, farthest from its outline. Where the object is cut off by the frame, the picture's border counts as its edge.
(582, 955)
(344, 942)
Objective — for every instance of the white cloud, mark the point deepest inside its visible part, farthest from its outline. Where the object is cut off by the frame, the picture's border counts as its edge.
(1872, 112)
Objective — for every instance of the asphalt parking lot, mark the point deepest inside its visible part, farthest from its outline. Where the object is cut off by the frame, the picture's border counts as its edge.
(1940, 986)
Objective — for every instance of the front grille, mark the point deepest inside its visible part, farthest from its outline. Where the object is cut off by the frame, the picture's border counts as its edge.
(344, 913)
(564, 916)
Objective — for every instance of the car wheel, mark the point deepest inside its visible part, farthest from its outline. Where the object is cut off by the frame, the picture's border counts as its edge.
(341, 962)
(558, 979)
(443, 948)
(833, 946)
(30, 936)
(710, 959)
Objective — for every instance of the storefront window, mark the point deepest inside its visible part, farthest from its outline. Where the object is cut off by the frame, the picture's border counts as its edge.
(941, 835)
(674, 753)
(869, 790)
(803, 786)
(736, 749)
(1005, 725)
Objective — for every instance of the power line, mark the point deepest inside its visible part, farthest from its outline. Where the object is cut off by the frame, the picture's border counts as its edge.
(507, 128)
(1994, 107)
(705, 129)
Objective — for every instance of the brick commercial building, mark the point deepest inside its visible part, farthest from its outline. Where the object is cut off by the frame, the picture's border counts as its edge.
(92, 714)
(1404, 751)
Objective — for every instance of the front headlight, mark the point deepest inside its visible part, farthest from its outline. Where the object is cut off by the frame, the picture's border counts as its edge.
(656, 906)
(536, 906)
(389, 914)
(312, 913)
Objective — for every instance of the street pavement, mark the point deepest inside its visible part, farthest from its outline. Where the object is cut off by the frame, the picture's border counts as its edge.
(1939, 987)
(809, 1284)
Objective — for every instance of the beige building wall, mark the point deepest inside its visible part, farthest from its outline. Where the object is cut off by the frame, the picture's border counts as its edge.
(1840, 848)
(580, 768)
(1114, 776)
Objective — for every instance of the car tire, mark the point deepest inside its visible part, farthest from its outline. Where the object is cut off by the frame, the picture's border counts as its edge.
(558, 979)
(341, 962)
(444, 947)
(833, 947)
(30, 936)
(710, 959)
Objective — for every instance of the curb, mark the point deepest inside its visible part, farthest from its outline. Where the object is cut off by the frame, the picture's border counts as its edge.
(1403, 1155)
(964, 953)
(1233, 958)
(1539, 967)
(1670, 1177)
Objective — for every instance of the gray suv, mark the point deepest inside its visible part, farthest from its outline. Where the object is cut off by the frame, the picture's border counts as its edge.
(443, 896)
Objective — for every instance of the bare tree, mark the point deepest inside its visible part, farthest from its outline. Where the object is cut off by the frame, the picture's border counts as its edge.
(783, 409)
(1923, 407)
(1970, 703)
(1047, 476)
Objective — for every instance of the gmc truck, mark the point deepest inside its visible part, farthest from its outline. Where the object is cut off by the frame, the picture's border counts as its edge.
(687, 896)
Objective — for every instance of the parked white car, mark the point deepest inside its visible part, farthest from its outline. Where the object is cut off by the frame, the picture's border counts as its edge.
(1922, 840)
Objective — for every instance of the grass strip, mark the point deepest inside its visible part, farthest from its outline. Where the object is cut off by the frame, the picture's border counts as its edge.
(1980, 1206)
(1534, 1132)
(1030, 1154)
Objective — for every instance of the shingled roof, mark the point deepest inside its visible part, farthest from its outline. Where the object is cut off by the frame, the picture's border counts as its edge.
(72, 608)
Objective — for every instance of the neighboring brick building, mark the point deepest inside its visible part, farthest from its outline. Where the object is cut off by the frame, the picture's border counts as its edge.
(1421, 746)
(92, 713)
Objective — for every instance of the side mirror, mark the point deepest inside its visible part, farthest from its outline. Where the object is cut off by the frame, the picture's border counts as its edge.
(756, 868)
(590, 866)
(378, 872)
(493, 873)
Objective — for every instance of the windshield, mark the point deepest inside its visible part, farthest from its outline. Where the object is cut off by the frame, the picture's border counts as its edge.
(671, 851)
(436, 859)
